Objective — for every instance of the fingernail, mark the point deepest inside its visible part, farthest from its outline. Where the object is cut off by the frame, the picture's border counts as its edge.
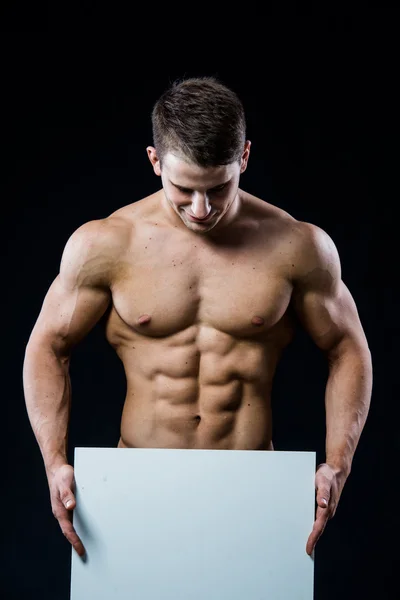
(68, 504)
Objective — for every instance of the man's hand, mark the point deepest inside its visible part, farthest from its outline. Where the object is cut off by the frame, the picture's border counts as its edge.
(329, 484)
(62, 485)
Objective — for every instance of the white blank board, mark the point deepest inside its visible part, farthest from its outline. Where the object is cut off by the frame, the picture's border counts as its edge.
(166, 524)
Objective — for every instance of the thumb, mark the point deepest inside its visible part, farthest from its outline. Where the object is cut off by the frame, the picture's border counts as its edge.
(323, 497)
(69, 500)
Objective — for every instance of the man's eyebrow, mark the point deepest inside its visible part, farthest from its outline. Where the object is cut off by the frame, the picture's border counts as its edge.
(183, 187)
(178, 186)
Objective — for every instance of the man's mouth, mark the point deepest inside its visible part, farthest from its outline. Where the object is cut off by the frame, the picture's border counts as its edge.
(199, 220)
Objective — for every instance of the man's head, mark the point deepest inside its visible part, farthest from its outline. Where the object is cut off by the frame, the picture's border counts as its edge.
(200, 149)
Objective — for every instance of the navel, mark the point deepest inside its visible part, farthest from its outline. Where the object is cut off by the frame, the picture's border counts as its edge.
(257, 321)
(144, 319)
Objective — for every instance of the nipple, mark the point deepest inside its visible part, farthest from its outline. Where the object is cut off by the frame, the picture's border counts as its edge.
(257, 321)
(144, 319)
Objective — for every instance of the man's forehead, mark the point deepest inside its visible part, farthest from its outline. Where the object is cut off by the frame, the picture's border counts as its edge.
(189, 173)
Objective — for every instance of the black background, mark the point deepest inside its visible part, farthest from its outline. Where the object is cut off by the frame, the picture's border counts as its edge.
(319, 92)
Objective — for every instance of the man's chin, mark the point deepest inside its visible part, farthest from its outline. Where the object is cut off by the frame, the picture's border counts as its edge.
(200, 230)
(200, 227)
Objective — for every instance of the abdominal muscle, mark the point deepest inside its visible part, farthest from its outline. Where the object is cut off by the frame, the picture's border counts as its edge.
(160, 424)
(182, 398)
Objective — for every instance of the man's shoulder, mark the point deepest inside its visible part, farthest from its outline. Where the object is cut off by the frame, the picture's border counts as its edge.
(115, 230)
(138, 211)
(109, 236)
(305, 237)
(313, 242)
(92, 252)
(268, 215)
(314, 255)
(106, 234)
(307, 245)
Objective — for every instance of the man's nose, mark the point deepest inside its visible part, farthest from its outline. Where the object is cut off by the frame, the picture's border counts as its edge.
(201, 206)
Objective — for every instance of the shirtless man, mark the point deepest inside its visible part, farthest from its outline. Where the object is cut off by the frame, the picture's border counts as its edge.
(199, 284)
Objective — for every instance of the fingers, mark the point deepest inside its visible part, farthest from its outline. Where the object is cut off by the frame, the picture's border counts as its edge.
(322, 517)
(70, 533)
(64, 505)
(326, 498)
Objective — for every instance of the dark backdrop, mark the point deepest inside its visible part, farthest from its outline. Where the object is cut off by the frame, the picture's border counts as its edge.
(321, 117)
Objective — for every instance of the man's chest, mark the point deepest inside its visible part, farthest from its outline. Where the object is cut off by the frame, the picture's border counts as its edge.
(241, 292)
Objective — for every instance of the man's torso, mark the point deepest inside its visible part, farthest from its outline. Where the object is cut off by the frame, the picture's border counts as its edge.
(200, 325)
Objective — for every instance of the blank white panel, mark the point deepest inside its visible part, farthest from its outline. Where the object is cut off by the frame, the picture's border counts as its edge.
(166, 524)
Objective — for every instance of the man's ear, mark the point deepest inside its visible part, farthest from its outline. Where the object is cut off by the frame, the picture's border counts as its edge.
(152, 154)
(245, 156)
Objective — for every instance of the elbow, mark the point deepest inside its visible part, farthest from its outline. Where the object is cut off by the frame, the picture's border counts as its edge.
(44, 346)
(350, 348)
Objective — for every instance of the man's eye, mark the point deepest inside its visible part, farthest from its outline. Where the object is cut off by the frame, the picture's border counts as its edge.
(187, 191)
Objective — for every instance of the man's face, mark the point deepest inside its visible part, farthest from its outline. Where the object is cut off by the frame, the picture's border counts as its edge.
(200, 196)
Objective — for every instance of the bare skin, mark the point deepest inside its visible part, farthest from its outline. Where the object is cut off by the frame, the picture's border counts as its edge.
(199, 314)
(199, 352)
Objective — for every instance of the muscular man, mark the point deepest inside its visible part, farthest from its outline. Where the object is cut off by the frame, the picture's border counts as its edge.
(199, 284)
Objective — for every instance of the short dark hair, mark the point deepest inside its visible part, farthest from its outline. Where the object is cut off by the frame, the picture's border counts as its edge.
(201, 118)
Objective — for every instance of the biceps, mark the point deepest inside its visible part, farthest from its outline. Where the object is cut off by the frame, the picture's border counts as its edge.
(329, 318)
(67, 316)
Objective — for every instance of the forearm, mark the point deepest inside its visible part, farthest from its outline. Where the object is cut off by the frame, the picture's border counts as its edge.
(47, 389)
(347, 401)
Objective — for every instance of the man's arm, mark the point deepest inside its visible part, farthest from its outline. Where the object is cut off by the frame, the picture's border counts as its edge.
(74, 303)
(328, 313)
